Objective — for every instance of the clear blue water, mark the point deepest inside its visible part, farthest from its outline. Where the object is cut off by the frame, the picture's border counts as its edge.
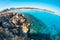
(50, 19)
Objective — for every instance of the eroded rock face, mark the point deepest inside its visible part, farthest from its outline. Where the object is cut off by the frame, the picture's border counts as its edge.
(13, 26)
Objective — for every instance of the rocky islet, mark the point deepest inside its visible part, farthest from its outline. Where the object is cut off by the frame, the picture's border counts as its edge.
(21, 26)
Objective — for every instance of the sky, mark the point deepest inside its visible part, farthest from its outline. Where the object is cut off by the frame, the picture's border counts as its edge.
(53, 5)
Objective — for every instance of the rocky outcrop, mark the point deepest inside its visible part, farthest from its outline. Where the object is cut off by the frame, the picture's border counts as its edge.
(13, 26)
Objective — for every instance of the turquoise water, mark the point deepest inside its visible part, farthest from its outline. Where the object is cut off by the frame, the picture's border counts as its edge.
(50, 19)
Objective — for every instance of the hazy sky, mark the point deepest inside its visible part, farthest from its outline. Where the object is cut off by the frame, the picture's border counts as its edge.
(53, 5)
